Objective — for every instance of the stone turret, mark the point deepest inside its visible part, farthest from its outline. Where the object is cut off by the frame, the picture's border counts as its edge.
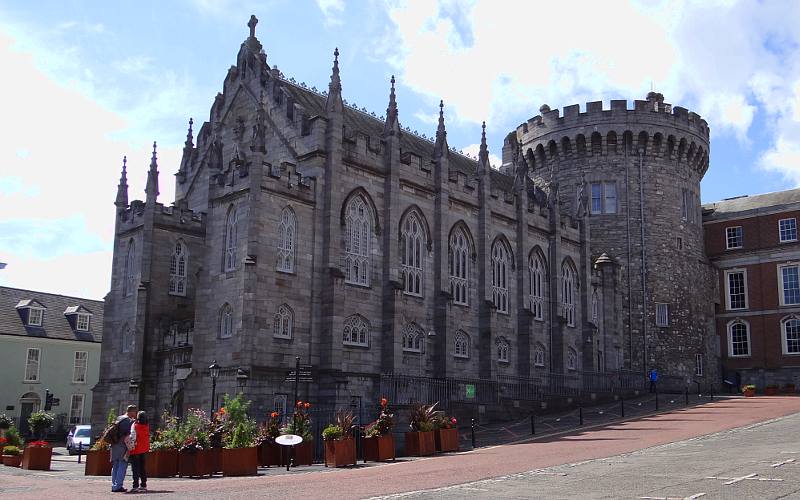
(121, 202)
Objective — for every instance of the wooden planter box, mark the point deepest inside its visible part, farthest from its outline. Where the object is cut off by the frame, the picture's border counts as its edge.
(37, 458)
(194, 463)
(770, 391)
(378, 449)
(420, 444)
(269, 454)
(162, 463)
(12, 460)
(340, 452)
(303, 453)
(789, 389)
(446, 440)
(98, 463)
(240, 461)
(749, 393)
(216, 460)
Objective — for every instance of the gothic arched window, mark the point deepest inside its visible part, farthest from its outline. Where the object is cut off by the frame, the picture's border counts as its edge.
(356, 331)
(738, 339)
(177, 270)
(226, 322)
(572, 359)
(791, 335)
(231, 237)
(595, 307)
(502, 350)
(284, 322)
(500, 264)
(538, 355)
(358, 228)
(461, 345)
(568, 285)
(413, 338)
(412, 253)
(286, 240)
(536, 285)
(129, 280)
(459, 267)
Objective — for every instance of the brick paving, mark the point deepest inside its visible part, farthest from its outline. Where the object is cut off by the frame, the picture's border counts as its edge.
(604, 440)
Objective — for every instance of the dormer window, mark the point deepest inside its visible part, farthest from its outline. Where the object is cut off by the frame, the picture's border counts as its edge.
(79, 318)
(35, 316)
(82, 323)
(31, 312)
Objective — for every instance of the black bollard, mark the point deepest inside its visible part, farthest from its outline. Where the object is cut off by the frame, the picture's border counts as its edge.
(687, 395)
(622, 406)
(580, 414)
(533, 424)
(473, 433)
(80, 449)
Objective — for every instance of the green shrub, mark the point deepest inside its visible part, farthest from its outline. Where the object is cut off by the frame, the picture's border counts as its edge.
(11, 450)
(332, 432)
(12, 437)
(5, 422)
(40, 421)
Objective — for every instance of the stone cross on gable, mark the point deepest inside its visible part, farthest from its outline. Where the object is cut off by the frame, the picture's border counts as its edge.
(252, 25)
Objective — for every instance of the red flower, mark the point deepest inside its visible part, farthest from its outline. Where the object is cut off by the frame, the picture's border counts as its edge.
(3, 440)
(384, 402)
(307, 406)
(453, 421)
(222, 411)
(299, 404)
(274, 414)
(38, 444)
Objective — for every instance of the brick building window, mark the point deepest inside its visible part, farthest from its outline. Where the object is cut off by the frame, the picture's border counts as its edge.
(356, 331)
(461, 345)
(698, 365)
(787, 229)
(358, 228)
(130, 270)
(413, 338)
(738, 339)
(568, 286)
(412, 254)
(80, 366)
(231, 237)
(538, 355)
(226, 322)
(500, 264)
(736, 289)
(536, 285)
(76, 409)
(283, 322)
(790, 328)
(604, 198)
(733, 237)
(789, 282)
(662, 314)
(286, 240)
(459, 267)
(32, 364)
(572, 359)
(177, 270)
(502, 350)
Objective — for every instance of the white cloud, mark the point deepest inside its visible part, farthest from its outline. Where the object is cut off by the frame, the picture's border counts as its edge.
(333, 11)
(473, 150)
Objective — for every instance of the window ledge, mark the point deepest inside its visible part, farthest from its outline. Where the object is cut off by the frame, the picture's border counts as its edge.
(357, 346)
(359, 285)
(281, 337)
(31, 382)
(284, 271)
(458, 357)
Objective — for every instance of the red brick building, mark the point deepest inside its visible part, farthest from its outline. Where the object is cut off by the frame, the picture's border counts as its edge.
(753, 242)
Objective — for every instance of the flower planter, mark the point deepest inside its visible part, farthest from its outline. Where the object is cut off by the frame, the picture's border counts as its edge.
(162, 463)
(216, 460)
(269, 454)
(446, 440)
(12, 460)
(37, 457)
(789, 389)
(419, 444)
(770, 391)
(379, 448)
(194, 463)
(340, 452)
(749, 393)
(239, 461)
(98, 463)
(303, 453)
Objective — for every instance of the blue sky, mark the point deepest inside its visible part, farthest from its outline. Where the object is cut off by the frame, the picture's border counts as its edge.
(86, 82)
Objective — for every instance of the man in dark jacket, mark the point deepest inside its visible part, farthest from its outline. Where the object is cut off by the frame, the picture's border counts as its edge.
(119, 450)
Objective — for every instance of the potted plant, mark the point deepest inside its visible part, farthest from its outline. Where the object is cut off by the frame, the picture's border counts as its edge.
(446, 433)
(5, 423)
(378, 443)
(162, 460)
(771, 390)
(269, 452)
(299, 425)
(421, 441)
(98, 457)
(11, 456)
(194, 456)
(239, 454)
(340, 447)
(38, 453)
(789, 388)
(749, 390)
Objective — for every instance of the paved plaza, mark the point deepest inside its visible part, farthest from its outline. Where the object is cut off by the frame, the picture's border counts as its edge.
(728, 448)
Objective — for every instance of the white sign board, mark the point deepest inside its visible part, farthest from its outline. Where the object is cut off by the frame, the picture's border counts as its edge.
(288, 440)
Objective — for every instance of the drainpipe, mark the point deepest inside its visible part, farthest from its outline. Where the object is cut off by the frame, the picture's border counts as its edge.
(644, 264)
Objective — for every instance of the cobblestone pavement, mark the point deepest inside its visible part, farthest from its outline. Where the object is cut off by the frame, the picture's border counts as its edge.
(527, 469)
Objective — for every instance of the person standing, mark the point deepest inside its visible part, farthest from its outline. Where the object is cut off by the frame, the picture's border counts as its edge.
(653, 380)
(141, 438)
(120, 449)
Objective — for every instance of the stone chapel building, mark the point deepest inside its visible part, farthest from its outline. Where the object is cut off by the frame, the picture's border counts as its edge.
(306, 227)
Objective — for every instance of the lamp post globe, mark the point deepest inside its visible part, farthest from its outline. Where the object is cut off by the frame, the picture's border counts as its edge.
(213, 371)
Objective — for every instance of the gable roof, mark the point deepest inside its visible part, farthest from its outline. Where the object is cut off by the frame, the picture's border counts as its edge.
(55, 324)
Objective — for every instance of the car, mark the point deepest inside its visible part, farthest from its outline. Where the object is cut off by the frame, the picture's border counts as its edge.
(79, 438)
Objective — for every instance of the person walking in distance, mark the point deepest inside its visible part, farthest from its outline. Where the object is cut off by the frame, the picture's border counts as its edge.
(119, 435)
(141, 438)
(653, 380)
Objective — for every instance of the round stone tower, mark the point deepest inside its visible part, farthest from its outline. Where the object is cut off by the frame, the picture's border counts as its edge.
(635, 174)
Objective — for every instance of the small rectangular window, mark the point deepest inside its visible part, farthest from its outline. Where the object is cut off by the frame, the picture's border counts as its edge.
(82, 323)
(787, 229)
(698, 365)
(736, 284)
(35, 316)
(76, 409)
(597, 198)
(790, 285)
(662, 314)
(734, 237)
(79, 368)
(32, 365)
(604, 198)
(679, 243)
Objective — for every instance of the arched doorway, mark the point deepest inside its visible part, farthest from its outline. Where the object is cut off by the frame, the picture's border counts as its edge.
(29, 402)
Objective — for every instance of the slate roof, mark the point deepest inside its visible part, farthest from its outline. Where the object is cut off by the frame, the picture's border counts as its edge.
(362, 122)
(54, 324)
(750, 205)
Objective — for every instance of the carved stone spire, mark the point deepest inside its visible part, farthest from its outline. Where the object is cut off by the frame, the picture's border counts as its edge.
(483, 155)
(252, 25)
(151, 189)
(122, 188)
(440, 146)
(334, 102)
(189, 136)
(392, 121)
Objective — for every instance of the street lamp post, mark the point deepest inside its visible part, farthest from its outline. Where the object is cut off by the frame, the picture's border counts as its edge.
(213, 370)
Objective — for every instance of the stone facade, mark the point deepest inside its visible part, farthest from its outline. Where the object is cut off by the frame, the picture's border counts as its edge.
(385, 251)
